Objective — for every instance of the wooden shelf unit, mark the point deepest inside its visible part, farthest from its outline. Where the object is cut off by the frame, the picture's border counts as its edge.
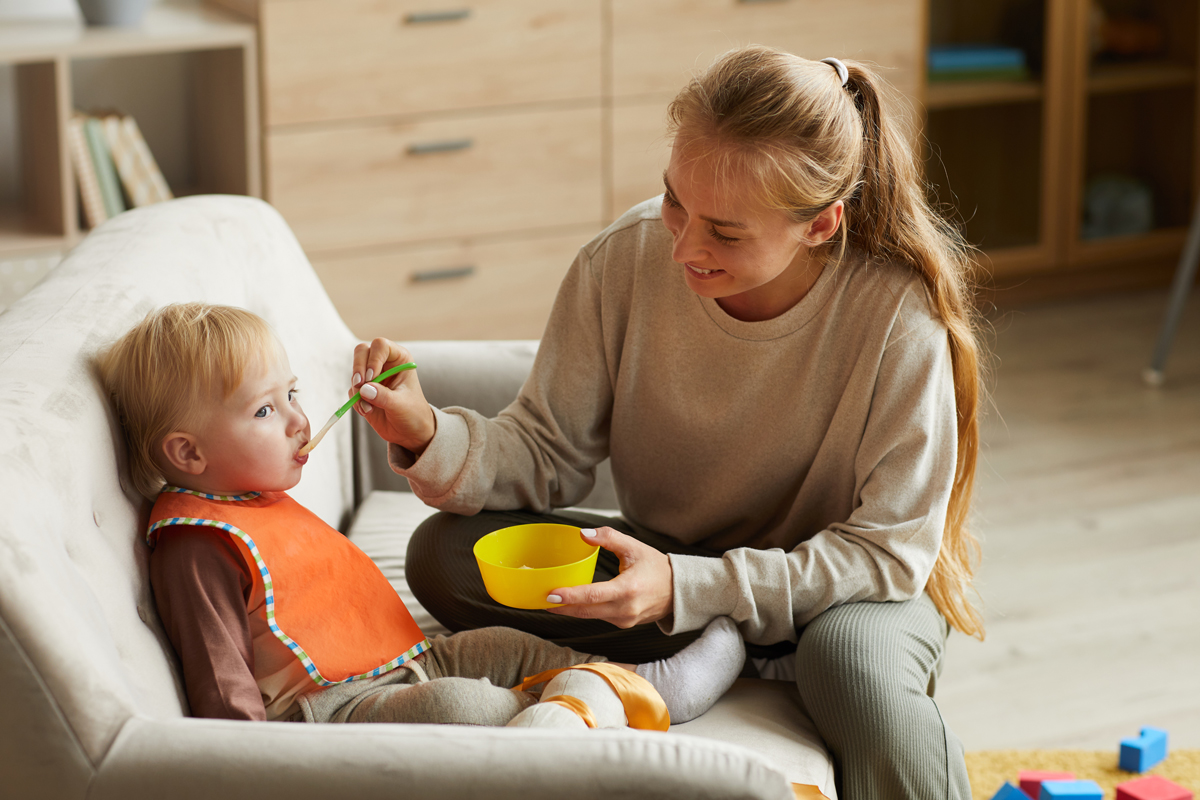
(1014, 158)
(223, 111)
(442, 163)
(981, 93)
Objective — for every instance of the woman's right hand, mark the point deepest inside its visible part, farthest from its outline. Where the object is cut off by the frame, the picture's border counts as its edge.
(397, 408)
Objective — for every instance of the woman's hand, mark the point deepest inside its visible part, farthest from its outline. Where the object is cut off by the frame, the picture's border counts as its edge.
(397, 408)
(643, 592)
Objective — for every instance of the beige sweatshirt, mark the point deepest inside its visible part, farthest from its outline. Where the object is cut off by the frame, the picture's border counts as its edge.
(816, 449)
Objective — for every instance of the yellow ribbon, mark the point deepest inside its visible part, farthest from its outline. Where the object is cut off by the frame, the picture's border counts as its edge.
(644, 706)
(573, 704)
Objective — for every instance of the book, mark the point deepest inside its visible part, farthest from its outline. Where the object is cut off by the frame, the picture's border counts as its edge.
(139, 172)
(106, 172)
(974, 58)
(94, 211)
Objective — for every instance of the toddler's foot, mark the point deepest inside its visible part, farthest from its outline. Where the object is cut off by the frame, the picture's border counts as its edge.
(693, 679)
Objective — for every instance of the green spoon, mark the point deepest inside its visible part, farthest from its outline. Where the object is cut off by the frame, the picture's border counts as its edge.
(349, 405)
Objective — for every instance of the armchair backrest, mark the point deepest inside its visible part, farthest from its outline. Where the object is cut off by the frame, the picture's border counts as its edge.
(81, 646)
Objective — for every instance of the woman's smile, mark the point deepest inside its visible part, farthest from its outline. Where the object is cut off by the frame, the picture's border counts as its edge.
(704, 274)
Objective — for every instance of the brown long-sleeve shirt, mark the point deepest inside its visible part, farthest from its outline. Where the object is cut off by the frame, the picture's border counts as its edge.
(212, 609)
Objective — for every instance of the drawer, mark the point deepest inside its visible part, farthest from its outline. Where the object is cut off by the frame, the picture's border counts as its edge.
(640, 152)
(657, 46)
(486, 291)
(437, 179)
(347, 59)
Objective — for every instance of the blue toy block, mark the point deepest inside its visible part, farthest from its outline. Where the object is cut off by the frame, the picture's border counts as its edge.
(1142, 753)
(1075, 790)
(1009, 792)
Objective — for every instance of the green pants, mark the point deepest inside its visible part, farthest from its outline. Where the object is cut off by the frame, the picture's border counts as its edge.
(866, 671)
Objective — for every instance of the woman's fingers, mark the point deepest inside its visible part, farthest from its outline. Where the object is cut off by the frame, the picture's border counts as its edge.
(643, 592)
(373, 358)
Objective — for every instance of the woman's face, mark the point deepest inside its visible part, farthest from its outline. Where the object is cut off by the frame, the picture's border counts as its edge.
(753, 260)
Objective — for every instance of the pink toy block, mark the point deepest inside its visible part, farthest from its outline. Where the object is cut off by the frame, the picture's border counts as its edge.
(1154, 787)
(1031, 780)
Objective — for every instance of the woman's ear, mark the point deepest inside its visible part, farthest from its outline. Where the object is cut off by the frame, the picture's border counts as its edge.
(182, 452)
(825, 224)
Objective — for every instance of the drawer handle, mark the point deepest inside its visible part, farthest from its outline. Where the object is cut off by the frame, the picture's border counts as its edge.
(445, 146)
(427, 17)
(443, 274)
(751, 2)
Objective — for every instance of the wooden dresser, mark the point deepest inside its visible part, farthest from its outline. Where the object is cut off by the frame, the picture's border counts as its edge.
(442, 161)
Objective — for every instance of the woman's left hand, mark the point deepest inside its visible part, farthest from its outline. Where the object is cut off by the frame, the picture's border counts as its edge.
(642, 592)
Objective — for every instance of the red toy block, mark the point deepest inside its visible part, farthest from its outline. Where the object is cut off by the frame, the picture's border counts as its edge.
(1154, 787)
(1031, 780)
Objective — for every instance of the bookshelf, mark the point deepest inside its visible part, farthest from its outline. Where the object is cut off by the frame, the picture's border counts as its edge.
(1014, 159)
(222, 108)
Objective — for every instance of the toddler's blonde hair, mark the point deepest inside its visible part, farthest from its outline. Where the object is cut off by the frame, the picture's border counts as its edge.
(169, 367)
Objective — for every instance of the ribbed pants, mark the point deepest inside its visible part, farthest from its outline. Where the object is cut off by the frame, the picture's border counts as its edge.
(866, 671)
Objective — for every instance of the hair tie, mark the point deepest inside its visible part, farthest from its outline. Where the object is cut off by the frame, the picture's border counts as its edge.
(842, 72)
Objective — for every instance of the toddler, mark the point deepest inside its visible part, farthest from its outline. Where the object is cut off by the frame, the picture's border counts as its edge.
(277, 616)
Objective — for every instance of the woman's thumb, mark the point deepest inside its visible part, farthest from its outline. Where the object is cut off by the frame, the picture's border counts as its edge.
(376, 395)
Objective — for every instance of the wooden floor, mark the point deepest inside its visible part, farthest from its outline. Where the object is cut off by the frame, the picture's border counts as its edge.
(1088, 503)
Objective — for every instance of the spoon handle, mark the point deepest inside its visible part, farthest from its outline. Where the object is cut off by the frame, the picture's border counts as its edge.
(382, 376)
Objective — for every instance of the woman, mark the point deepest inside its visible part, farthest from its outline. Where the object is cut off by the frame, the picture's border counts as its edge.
(779, 356)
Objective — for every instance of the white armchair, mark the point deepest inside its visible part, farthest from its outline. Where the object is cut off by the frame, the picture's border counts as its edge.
(93, 706)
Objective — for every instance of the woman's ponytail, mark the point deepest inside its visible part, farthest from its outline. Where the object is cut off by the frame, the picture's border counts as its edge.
(889, 217)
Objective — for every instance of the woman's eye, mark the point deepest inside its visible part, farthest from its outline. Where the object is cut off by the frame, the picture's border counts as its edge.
(670, 201)
(720, 237)
(263, 412)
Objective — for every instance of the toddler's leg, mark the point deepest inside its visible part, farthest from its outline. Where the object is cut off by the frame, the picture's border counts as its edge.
(693, 679)
(502, 655)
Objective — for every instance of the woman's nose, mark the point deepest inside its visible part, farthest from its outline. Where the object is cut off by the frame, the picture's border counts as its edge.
(687, 244)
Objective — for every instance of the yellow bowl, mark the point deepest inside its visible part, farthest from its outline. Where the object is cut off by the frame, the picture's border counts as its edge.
(522, 564)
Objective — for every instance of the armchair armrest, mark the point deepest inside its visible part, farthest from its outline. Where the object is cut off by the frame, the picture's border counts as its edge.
(201, 759)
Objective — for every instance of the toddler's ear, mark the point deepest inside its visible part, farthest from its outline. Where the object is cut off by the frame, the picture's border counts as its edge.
(182, 453)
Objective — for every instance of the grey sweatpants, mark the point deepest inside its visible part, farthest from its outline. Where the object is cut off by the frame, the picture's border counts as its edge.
(866, 671)
(468, 679)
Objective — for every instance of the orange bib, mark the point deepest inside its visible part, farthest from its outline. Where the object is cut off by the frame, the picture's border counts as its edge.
(326, 599)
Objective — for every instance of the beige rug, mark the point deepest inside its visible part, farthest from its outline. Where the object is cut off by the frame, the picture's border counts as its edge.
(989, 769)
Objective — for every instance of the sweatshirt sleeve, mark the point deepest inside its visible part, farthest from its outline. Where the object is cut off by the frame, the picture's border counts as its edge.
(200, 585)
(541, 452)
(885, 551)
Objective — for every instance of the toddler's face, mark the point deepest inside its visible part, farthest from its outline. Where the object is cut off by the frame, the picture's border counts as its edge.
(251, 439)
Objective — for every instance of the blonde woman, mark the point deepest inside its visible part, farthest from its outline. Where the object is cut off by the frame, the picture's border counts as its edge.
(778, 354)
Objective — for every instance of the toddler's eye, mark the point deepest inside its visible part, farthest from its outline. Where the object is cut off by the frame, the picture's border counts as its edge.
(263, 412)
(292, 395)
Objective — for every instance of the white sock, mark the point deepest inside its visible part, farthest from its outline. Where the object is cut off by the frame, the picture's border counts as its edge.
(693, 679)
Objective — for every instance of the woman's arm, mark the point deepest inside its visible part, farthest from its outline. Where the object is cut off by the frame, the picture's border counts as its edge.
(541, 451)
(885, 550)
